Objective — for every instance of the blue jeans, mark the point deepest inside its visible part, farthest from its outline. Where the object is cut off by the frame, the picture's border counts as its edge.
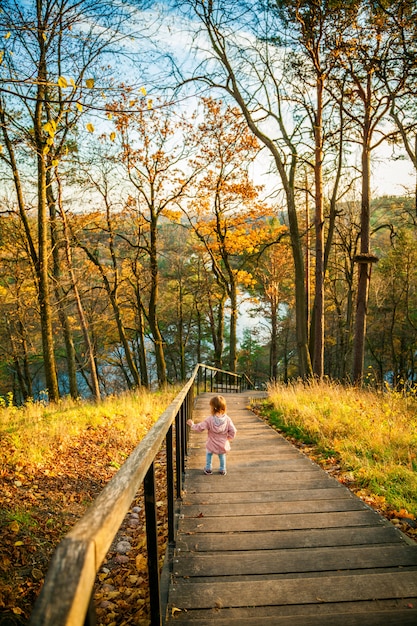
(209, 460)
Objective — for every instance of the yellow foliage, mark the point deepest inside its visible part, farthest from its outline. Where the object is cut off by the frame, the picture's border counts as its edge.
(62, 82)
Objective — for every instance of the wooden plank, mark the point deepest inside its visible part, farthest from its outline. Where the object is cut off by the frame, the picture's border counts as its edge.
(368, 613)
(255, 562)
(280, 522)
(404, 617)
(281, 482)
(281, 539)
(272, 508)
(231, 497)
(294, 590)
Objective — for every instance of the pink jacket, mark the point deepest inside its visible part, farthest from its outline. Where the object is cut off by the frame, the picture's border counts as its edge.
(220, 429)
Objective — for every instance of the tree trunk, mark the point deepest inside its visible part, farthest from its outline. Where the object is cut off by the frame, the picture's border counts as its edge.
(153, 299)
(233, 327)
(318, 352)
(364, 270)
(218, 333)
(305, 369)
(59, 292)
(43, 244)
(94, 385)
(141, 339)
(273, 352)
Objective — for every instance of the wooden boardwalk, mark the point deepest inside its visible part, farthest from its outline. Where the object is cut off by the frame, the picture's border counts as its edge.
(278, 541)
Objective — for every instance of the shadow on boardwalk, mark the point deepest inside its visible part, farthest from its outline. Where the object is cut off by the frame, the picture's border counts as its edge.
(278, 541)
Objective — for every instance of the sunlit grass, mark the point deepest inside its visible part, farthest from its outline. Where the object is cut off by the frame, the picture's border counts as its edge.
(31, 434)
(373, 434)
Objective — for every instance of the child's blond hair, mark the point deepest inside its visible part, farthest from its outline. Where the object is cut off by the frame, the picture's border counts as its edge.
(218, 404)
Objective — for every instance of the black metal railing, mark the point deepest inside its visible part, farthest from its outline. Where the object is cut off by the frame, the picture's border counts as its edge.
(66, 597)
(215, 379)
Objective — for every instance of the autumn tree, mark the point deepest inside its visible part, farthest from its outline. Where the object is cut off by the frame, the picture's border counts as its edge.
(273, 290)
(154, 146)
(365, 57)
(99, 238)
(245, 62)
(19, 329)
(225, 212)
(311, 35)
(50, 50)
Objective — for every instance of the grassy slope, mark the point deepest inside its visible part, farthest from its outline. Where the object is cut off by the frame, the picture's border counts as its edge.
(369, 437)
(54, 461)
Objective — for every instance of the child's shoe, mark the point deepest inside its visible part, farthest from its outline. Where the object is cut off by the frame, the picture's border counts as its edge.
(222, 472)
(207, 470)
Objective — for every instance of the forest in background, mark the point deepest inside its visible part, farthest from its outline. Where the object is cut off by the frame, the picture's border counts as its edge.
(133, 224)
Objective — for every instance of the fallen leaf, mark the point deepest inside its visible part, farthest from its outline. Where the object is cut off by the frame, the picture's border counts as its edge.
(14, 527)
(141, 562)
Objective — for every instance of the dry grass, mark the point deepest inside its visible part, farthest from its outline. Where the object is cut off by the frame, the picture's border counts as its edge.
(32, 434)
(372, 434)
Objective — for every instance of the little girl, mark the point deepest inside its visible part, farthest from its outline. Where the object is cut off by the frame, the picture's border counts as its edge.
(220, 430)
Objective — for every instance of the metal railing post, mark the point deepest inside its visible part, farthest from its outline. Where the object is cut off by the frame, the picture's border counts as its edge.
(170, 485)
(183, 417)
(152, 546)
(90, 616)
(178, 453)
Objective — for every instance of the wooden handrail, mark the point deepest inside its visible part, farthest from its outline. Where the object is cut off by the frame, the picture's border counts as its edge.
(66, 595)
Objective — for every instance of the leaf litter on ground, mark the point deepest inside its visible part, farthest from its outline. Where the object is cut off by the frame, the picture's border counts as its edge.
(40, 503)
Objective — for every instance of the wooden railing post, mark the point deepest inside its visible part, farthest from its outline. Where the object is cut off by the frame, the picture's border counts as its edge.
(152, 546)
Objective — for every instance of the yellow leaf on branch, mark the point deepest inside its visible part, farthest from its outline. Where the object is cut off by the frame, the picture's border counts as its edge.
(50, 128)
(79, 106)
(90, 127)
(89, 83)
(7, 35)
(62, 82)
